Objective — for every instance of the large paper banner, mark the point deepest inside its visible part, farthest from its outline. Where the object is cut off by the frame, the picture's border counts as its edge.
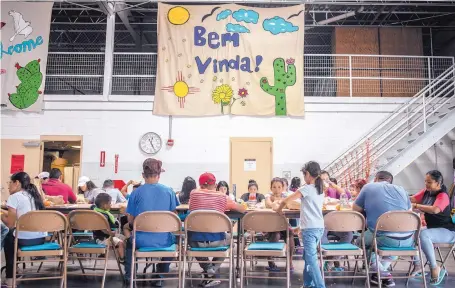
(222, 59)
(25, 37)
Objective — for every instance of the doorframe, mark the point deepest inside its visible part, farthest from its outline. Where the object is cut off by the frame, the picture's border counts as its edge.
(48, 138)
(249, 139)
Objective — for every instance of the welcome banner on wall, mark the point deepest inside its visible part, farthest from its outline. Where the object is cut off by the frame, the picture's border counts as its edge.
(25, 37)
(229, 59)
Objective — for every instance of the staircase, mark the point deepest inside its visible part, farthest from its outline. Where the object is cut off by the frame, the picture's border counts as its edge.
(404, 135)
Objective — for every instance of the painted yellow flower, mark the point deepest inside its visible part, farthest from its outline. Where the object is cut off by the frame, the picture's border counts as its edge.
(222, 94)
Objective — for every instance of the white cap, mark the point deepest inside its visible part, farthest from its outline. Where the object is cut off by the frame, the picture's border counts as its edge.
(43, 175)
(82, 181)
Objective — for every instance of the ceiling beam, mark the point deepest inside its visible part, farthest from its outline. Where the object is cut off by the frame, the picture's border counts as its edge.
(123, 15)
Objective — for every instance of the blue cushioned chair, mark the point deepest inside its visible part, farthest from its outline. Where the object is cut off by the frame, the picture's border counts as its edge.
(344, 221)
(404, 222)
(89, 221)
(157, 222)
(208, 221)
(265, 221)
(48, 222)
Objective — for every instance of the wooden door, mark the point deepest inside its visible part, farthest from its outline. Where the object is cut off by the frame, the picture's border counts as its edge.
(251, 158)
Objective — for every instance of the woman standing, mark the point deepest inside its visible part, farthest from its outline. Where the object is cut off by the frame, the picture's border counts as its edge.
(24, 197)
(433, 201)
(311, 221)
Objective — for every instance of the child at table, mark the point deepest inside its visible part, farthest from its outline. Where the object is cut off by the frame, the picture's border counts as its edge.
(311, 221)
(253, 195)
(103, 206)
(273, 200)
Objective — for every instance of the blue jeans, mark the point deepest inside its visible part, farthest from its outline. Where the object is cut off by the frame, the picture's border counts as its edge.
(161, 267)
(385, 241)
(312, 272)
(434, 235)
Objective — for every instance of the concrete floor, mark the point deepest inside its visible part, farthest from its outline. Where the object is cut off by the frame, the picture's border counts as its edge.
(114, 281)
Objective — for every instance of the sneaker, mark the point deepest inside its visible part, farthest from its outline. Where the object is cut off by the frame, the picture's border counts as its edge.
(211, 272)
(388, 282)
(211, 282)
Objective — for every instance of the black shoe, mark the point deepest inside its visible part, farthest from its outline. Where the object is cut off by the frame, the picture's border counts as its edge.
(374, 279)
(388, 282)
(158, 283)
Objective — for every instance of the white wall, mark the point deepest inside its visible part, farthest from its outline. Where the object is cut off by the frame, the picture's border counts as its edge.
(330, 126)
(439, 157)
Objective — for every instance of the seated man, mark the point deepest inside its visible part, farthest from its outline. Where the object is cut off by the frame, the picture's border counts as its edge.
(374, 200)
(207, 198)
(55, 187)
(116, 195)
(152, 196)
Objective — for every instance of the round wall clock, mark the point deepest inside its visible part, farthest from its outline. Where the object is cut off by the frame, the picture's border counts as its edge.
(150, 143)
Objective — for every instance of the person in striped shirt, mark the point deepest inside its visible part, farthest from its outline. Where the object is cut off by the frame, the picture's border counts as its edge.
(207, 198)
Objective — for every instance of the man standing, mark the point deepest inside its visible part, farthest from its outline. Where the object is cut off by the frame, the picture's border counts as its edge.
(55, 187)
(374, 200)
(152, 196)
(207, 198)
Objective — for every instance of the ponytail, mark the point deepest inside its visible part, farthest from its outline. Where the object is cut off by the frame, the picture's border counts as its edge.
(25, 181)
(314, 170)
(319, 185)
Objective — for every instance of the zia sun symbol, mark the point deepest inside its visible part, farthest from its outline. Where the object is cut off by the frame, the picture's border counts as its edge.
(180, 89)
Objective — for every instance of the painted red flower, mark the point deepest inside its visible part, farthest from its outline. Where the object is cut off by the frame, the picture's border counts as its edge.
(243, 92)
(290, 61)
(264, 81)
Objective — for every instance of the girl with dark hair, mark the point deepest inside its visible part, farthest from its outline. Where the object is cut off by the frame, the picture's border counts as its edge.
(24, 197)
(311, 221)
(434, 202)
(224, 188)
(295, 184)
(357, 187)
(188, 185)
(253, 195)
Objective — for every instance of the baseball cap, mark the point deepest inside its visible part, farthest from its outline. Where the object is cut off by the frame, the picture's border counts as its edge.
(152, 166)
(43, 175)
(207, 179)
(82, 181)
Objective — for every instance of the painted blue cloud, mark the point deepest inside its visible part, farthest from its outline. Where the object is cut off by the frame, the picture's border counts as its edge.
(247, 16)
(223, 14)
(277, 25)
(236, 28)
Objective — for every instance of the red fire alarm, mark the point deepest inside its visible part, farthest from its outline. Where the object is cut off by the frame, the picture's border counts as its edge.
(170, 142)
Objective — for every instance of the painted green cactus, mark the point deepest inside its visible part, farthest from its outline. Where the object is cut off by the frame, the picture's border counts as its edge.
(27, 92)
(282, 80)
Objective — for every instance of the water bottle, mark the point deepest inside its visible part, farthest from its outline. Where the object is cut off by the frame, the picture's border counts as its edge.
(344, 204)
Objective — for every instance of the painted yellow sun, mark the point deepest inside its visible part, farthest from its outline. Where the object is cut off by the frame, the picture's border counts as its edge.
(180, 89)
(178, 15)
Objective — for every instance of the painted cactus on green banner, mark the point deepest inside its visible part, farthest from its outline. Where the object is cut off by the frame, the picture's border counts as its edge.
(282, 80)
(27, 92)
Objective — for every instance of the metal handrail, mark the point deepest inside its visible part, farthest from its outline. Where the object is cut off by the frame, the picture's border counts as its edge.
(395, 114)
(433, 91)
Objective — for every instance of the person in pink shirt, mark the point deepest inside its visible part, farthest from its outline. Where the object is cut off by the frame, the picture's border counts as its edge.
(55, 187)
(331, 188)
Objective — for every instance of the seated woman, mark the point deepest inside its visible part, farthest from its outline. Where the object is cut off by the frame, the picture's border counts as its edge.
(331, 188)
(433, 201)
(88, 188)
(224, 188)
(273, 200)
(188, 185)
(356, 188)
(24, 197)
(253, 194)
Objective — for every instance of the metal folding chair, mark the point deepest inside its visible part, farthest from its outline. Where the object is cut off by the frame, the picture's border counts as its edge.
(208, 221)
(89, 220)
(264, 221)
(345, 221)
(399, 222)
(158, 222)
(43, 221)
